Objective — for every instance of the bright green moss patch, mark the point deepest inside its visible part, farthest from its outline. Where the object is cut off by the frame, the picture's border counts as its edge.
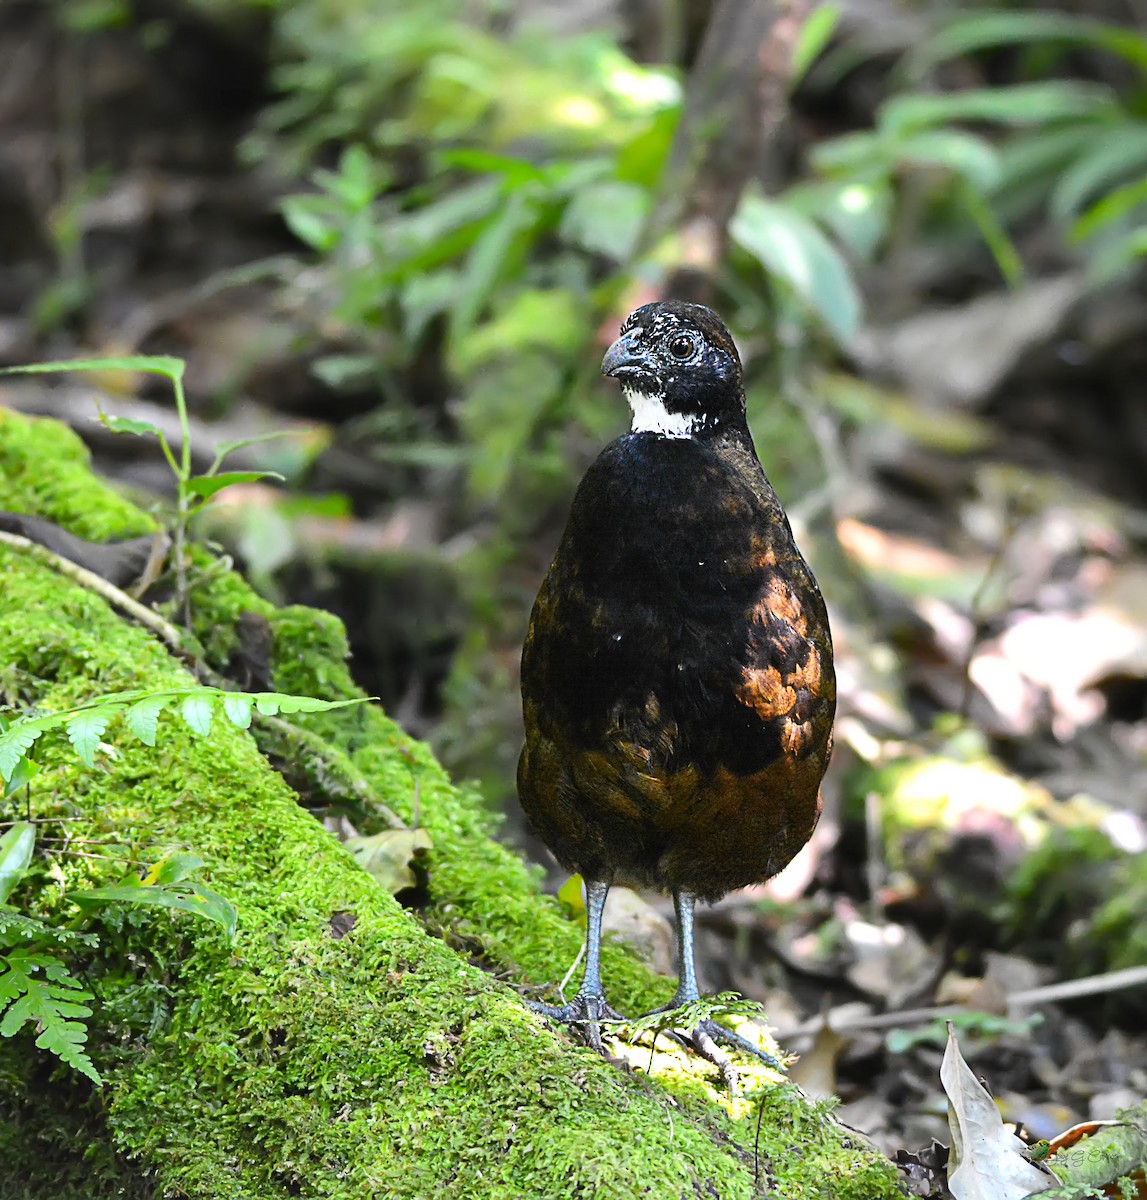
(44, 471)
(362, 1057)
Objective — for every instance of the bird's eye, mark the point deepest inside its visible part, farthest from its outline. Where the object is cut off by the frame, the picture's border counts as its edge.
(681, 346)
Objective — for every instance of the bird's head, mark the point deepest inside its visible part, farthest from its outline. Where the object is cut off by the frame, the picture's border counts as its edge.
(679, 370)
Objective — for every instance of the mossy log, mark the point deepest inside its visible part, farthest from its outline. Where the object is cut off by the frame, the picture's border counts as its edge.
(341, 1045)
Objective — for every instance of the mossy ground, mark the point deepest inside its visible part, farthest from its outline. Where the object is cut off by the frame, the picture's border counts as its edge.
(294, 1061)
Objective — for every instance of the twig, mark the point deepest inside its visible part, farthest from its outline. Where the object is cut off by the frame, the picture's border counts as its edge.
(41, 821)
(1092, 985)
(120, 858)
(81, 575)
(569, 974)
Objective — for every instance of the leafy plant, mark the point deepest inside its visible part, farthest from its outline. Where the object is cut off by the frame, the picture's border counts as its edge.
(36, 984)
(796, 253)
(935, 1033)
(86, 723)
(991, 156)
(192, 491)
(725, 1007)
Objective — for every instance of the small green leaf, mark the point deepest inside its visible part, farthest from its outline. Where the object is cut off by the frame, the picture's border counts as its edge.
(979, 209)
(790, 247)
(205, 486)
(26, 770)
(143, 717)
(16, 929)
(51, 1004)
(15, 742)
(186, 897)
(606, 218)
(130, 425)
(489, 258)
(1118, 205)
(85, 729)
(1114, 156)
(982, 30)
(16, 848)
(973, 158)
(294, 704)
(515, 171)
(815, 33)
(572, 895)
(359, 178)
(237, 709)
(225, 448)
(1018, 104)
(154, 364)
(197, 710)
(309, 218)
(174, 868)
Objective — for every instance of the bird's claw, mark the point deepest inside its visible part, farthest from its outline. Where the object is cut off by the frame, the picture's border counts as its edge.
(706, 1037)
(718, 1033)
(586, 1011)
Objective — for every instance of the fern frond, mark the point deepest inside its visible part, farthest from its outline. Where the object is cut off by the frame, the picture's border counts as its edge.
(52, 1002)
(18, 929)
(85, 723)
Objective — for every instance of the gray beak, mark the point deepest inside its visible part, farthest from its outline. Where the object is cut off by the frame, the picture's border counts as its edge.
(625, 356)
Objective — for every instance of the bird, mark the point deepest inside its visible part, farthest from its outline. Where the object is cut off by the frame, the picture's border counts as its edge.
(678, 691)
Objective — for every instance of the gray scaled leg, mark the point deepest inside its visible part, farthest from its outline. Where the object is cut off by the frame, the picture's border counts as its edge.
(705, 1033)
(589, 1006)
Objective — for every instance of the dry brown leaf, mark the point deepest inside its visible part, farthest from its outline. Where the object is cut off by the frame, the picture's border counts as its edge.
(389, 856)
(815, 1071)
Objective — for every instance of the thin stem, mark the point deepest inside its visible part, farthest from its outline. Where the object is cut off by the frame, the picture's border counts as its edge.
(184, 427)
(96, 583)
(569, 974)
(165, 446)
(101, 857)
(183, 501)
(41, 821)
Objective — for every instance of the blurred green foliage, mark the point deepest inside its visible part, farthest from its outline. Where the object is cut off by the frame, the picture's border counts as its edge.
(1070, 150)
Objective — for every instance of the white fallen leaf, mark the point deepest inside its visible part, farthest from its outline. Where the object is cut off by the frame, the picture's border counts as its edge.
(987, 1160)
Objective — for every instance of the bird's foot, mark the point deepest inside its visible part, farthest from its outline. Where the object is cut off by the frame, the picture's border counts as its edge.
(706, 1038)
(586, 1011)
(716, 1032)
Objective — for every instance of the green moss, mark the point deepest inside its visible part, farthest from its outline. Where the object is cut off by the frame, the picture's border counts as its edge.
(380, 1063)
(45, 471)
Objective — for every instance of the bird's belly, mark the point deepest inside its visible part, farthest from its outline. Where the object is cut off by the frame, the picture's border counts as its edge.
(653, 803)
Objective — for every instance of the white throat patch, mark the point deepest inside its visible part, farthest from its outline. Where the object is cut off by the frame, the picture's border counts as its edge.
(651, 416)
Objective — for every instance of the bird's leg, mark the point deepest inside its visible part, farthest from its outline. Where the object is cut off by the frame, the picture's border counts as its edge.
(589, 1006)
(703, 1036)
